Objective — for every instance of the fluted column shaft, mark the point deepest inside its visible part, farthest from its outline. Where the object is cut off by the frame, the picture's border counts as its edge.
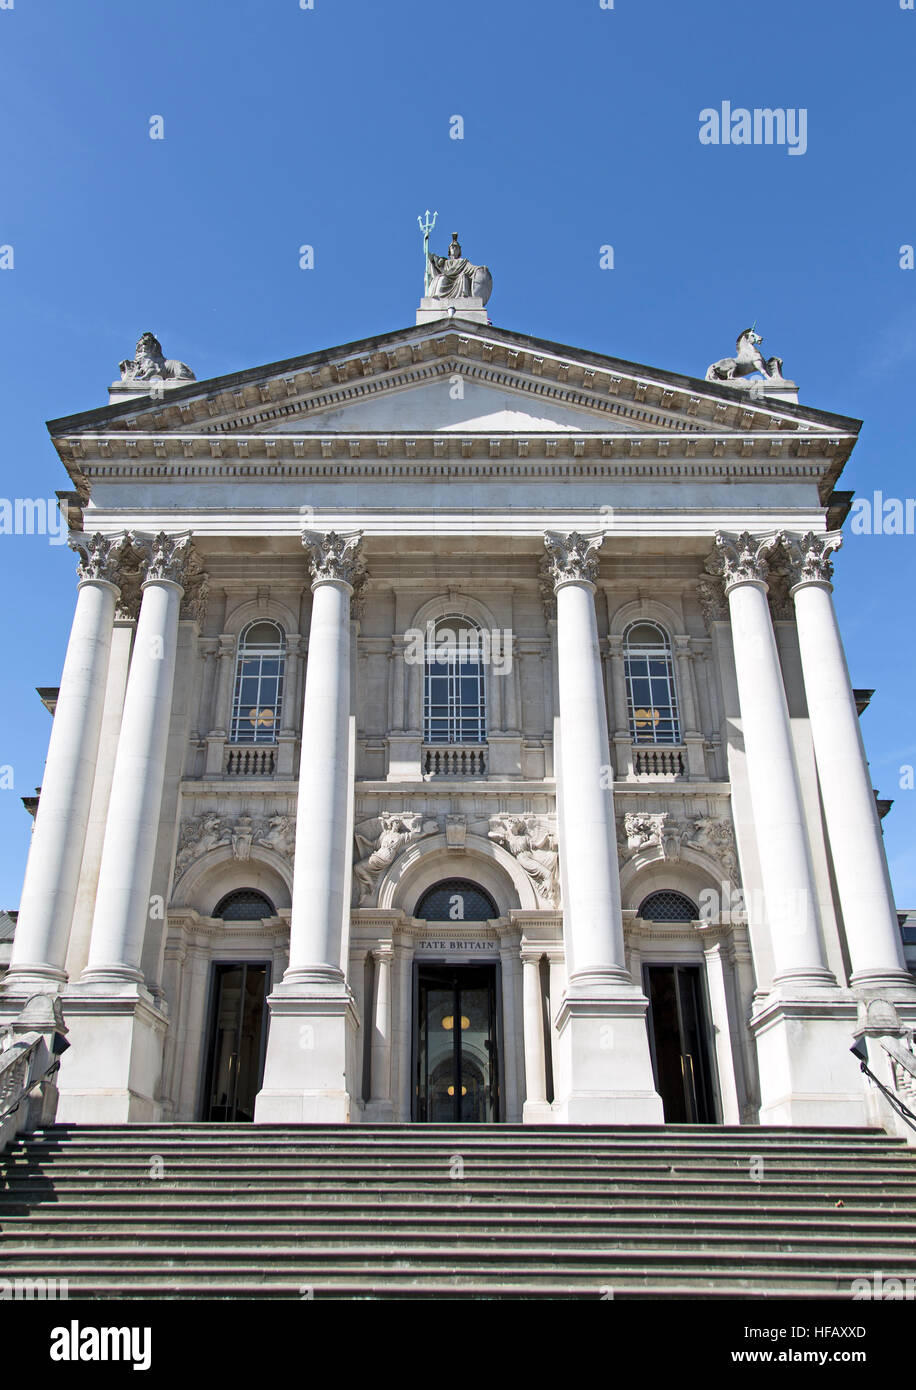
(58, 838)
(853, 827)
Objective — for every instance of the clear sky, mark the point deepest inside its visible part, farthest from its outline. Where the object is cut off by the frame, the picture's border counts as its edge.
(330, 127)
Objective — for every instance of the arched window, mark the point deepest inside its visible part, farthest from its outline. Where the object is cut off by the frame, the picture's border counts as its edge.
(244, 905)
(668, 906)
(651, 692)
(258, 696)
(454, 693)
(456, 900)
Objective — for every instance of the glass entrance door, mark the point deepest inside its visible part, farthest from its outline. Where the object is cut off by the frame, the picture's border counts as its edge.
(238, 1037)
(455, 1039)
(678, 1035)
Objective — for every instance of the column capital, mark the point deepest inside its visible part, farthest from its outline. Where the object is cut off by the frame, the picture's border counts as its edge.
(740, 559)
(101, 557)
(807, 557)
(571, 559)
(336, 558)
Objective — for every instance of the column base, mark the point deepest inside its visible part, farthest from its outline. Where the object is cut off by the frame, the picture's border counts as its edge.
(808, 1076)
(309, 1045)
(895, 985)
(604, 1068)
(537, 1112)
(112, 1070)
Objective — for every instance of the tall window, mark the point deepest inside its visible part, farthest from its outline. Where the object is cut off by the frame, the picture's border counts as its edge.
(651, 693)
(258, 685)
(454, 695)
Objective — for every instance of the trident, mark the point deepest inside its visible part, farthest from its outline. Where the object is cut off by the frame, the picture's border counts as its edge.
(426, 227)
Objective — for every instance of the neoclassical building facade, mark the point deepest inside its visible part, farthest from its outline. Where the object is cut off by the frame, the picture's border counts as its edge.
(455, 726)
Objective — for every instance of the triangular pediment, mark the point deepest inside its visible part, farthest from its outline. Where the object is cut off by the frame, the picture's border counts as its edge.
(453, 376)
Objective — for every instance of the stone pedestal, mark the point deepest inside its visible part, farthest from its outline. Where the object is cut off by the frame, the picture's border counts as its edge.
(470, 307)
(111, 1072)
(311, 1038)
(604, 1068)
(808, 1076)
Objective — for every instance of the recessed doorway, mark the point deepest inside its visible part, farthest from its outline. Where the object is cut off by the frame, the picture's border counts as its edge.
(455, 1045)
(678, 1036)
(237, 1036)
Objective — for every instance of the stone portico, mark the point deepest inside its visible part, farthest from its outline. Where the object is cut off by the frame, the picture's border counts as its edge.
(300, 856)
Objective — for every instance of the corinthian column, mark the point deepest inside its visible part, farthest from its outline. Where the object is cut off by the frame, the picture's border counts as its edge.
(853, 828)
(55, 855)
(605, 1074)
(312, 1011)
(802, 1027)
(122, 904)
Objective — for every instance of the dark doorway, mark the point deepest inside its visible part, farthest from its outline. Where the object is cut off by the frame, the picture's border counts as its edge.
(238, 1036)
(678, 1037)
(455, 1042)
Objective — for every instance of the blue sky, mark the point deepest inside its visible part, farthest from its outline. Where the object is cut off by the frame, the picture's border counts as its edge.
(330, 127)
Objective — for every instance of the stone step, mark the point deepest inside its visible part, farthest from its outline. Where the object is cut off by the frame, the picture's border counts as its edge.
(459, 1289)
(375, 1212)
(316, 1268)
(406, 1237)
(174, 1206)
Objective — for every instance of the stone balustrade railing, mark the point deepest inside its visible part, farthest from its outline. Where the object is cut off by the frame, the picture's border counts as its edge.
(454, 760)
(250, 760)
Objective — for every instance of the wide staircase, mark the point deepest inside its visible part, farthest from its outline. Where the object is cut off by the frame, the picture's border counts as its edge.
(433, 1211)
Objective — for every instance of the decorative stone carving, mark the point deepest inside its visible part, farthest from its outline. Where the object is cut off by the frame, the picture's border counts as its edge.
(530, 842)
(453, 277)
(165, 557)
(336, 557)
(739, 559)
(240, 838)
(380, 841)
(101, 557)
(196, 585)
(748, 359)
(717, 839)
(713, 603)
(198, 836)
(781, 606)
(201, 834)
(149, 364)
(280, 835)
(572, 558)
(807, 558)
(547, 590)
(644, 828)
(456, 831)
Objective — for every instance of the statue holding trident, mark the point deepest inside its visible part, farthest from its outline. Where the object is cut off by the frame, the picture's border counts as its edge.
(452, 277)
